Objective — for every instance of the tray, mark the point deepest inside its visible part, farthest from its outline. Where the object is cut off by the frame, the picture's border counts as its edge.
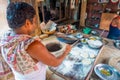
(77, 64)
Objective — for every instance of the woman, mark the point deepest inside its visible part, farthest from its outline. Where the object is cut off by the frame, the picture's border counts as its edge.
(26, 56)
(5, 71)
(114, 31)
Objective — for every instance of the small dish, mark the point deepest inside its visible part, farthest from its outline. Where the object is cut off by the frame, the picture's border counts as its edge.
(79, 35)
(94, 43)
(117, 43)
(95, 38)
(84, 40)
(105, 72)
(86, 62)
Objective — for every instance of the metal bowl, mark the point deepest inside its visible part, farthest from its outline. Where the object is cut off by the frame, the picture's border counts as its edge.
(95, 43)
(84, 40)
(95, 38)
(79, 35)
(105, 72)
(117, 43)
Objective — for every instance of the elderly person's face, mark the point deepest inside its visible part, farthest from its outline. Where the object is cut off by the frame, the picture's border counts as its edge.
(116, 22)
(32, 26)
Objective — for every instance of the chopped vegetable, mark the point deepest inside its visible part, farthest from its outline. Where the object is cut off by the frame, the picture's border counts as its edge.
(105, 72)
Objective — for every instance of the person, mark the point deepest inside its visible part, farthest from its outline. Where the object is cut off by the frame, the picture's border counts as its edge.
(5, 71)
(114, 29)
(26, 55)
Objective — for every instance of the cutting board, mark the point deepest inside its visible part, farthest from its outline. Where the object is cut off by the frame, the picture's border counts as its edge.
(106, 19)
(105, 54)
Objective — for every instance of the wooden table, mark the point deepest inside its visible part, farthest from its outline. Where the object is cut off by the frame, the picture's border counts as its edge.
(77, 74)
(105, 53)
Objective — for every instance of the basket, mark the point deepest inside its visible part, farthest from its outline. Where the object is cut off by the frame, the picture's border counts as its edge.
(47, 31)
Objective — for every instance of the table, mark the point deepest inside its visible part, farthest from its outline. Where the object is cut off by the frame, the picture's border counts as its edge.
(106, 53)
(90, 74)
(77, 64)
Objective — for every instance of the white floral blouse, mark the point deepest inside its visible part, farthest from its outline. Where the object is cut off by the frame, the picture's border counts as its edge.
(14, 52)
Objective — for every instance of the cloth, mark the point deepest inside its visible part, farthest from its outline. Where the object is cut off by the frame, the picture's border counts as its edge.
(114, 33)
(5, 71)
(13, 50)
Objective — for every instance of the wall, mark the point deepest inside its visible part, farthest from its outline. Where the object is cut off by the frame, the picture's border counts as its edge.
(3, 21)
(95, 10)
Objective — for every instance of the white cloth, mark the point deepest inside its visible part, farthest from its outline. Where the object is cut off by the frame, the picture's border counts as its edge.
(36, 75)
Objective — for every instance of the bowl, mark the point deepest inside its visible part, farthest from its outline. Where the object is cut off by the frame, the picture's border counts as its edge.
(117, 43)
(56, 48)
(95, 38)
(105, 72)
(84, 40)
(94, 32)
(48, 32)
(79, 35)
(95, 43)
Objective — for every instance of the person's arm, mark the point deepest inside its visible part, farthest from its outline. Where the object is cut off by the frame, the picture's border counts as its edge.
(38, 51)
(119, 23)
(116, 22)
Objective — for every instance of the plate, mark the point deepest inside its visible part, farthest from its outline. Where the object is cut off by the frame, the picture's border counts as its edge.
(95, 43)
(68, 39)
(114, 1)
(105, 72)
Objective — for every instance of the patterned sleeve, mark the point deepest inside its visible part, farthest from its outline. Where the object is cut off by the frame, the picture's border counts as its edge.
(4, 68)
(29, 41)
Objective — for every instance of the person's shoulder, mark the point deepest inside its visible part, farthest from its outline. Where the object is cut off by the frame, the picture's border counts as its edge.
(116, 17)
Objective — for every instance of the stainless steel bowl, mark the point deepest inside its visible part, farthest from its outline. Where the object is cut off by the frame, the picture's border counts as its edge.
(104, 75)
(117, 43)
(95, 43)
